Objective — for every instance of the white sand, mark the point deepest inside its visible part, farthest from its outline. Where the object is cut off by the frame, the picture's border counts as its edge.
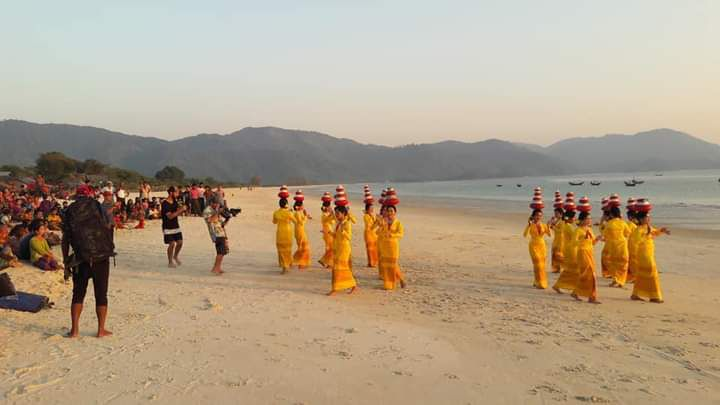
(469, 329)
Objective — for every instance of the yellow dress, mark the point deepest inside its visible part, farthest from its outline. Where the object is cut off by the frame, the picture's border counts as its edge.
(615, 252)
(604, 253)
(342, 277)
(538, 251)
(569, 274)
(302, 256)
(647, 281)
(390, 261)
(557, 246)
(370, 240)
(632, 252)
(328, 225)
(378, 225)
(586, 285)
(284, 219)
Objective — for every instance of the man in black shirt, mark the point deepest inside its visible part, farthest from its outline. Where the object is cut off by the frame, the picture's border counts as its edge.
(170, 210)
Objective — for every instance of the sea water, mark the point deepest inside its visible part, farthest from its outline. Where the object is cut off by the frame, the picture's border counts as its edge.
(688, 198)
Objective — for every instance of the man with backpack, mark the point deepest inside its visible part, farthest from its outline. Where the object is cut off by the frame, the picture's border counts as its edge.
(87, 232)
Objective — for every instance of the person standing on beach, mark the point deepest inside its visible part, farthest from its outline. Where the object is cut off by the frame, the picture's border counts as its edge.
(615, 251)
(328, 224)
(392, 231)
(537, 231)
(647, 280)
(86, 231)
(556, 226)
(631, 222)
(284, 219)
(302, 256)
(568, 272)
(170, 210)
(216, 228)
(370, 235)
(586, 285)
(342, 276)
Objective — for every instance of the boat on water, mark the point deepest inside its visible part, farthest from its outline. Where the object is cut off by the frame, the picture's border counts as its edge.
(633, 182)
(658, 174)
(594, 183)
(576, 183)
(519, 185)
(498, 185)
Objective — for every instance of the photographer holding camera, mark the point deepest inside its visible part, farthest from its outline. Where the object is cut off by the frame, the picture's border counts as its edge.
(216, 218)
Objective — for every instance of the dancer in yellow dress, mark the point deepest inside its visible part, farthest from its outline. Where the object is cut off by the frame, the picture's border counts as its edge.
(284, 219)
(615, 235)
(603, 222)
(342, 276)
(378, 225)
(555, 225)
(328, 226)
(302, 255)
(537, 231)
(392, 231)
(647, 280)
(569, 272)
(370, 233)
(632, 240)
(586, 285)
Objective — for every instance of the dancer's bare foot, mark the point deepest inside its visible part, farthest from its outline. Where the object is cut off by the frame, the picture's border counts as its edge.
(331, 293)
(575, 296)
(72, 334)
(103, 333)
(656, 301)
(284, 271)
(177, 261)
(352, 290)
(171, 265)
(593, 301)
(636, 298)
(402, 283)
(557, 290)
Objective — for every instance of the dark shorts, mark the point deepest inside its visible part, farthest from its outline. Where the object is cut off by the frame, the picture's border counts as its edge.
(100, 273)
(221, 247)
(176, 237)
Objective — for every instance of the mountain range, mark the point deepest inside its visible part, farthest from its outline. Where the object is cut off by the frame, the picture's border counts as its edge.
(297, 157)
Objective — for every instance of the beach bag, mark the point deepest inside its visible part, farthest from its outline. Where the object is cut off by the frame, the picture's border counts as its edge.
(87, 228)
(25, 302)
(7, 289)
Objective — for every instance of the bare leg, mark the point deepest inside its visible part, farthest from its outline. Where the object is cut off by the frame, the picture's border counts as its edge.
(178, 246)
(170, 252)
(218, 264)
(75, 311)
(352, 290)
(557, 290)
(101, 312)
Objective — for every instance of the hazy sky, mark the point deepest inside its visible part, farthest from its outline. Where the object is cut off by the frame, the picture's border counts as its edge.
(388, 72)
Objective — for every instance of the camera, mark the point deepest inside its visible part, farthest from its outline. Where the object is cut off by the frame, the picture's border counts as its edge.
(228, 213)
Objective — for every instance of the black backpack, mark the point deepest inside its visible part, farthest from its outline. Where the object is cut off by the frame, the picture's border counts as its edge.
(86, 226)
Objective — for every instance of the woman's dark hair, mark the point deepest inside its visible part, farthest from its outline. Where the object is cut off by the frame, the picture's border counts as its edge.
(283, 203)
(640, 215)
(630, 214)
(368, 206)
(569, 215)
(559, 211)
(297, 204)
(535, 212)
(17, 230)
(36, 224)
(583, 216)
(615, 212)
(341, 209)
(326, 204)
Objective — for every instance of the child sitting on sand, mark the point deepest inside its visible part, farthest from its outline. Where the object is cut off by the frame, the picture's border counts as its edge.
(40, 254)
(54, 220)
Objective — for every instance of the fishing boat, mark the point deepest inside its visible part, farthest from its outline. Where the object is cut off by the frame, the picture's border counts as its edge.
(594, 183)
(634, 182)
(576, 183)
(519, 185)
(630, 184)
(498, 185)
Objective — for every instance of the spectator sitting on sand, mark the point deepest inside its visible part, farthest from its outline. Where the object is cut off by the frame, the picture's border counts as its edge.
(40, 254)
(7, 258)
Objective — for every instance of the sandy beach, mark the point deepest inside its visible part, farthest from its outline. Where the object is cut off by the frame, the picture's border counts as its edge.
(468, 329)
